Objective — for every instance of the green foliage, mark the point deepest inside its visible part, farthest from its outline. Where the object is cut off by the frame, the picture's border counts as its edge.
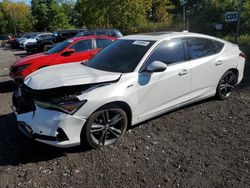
(128, 16)
(204, 14)
(49, 15)
(161, 10)
(15, 17)
(68, 7)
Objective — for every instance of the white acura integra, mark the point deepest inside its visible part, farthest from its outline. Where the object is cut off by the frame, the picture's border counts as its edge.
(134, 79)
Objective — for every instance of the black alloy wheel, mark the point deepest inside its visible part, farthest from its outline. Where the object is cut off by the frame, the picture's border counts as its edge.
(226, 85)
(105, 127)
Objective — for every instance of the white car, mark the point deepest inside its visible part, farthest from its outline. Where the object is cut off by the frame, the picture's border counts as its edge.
(134, 79)
(33, 38)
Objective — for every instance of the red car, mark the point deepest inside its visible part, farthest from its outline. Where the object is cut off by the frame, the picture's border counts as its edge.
(68, 51)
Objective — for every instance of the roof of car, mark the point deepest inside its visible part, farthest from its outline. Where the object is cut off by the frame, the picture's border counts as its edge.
(157, 36)
(91, 36)
(91, 30)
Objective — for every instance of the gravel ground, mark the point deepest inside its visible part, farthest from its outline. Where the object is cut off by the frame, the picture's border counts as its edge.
(202, 145)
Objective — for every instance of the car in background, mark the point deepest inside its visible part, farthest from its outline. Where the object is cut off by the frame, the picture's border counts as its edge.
(39, 37)
(44, 44)
(59, 36)
(16, 42)
(132, 80)
(41, 45)
(101, 32)
(71, 50)
(33, 39)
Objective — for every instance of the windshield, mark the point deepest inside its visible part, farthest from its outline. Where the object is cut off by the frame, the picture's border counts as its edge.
(121, 56)
(32, 36)
(59, 47)
(80, 34)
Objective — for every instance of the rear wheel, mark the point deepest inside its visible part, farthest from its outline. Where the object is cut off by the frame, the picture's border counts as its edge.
(226, 85)
(46, 47)
(105, 127)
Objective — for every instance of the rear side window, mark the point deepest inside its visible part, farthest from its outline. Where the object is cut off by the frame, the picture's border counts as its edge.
(113, 34)
(168, 52)
(199, 47)
(82, 45)
(218, 46)
(101, 33)
(102, 43)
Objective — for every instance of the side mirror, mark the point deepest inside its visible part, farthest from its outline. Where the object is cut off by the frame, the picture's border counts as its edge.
(156, 66)
(68, 52)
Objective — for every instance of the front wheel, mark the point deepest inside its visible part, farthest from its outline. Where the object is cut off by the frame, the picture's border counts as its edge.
(105, 127)
(226, 85)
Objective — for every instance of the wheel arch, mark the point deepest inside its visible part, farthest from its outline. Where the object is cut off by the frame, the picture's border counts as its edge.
(123, 105)
(235, 71)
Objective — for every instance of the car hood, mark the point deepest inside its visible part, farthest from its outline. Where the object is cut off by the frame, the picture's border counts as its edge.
(29, 40)
(33, 58)
(72, 74)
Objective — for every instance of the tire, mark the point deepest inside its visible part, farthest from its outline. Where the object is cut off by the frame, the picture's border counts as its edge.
(46, 47)
(226, 85)
(98, 132)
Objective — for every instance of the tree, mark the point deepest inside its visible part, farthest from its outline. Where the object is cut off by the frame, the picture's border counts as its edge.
(15, 17)
(204, 14)
(68, 7)
(161, 10)
(49, 15)
(124, 15)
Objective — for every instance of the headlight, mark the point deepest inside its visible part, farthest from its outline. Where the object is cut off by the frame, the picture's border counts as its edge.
(20, 68)
(69, 106)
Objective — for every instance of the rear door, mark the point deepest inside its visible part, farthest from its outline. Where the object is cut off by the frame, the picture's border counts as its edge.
(206, 63)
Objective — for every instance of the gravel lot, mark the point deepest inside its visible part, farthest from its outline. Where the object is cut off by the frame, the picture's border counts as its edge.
(202, 145)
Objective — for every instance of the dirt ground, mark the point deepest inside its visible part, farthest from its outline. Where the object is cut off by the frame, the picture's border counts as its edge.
(202, 145)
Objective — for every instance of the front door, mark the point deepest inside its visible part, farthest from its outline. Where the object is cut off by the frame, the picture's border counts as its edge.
(160, 91)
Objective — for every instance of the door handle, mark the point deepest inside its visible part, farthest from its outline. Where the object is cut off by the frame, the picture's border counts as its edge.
(184, 72)
(219, 62)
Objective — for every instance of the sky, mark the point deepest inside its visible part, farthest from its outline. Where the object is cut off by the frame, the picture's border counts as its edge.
(26, 1)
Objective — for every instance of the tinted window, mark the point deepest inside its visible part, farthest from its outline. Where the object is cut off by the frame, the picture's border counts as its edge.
(112, 33)
(43, 36)
(90, 33)
(199, 47)
(101, 33)
(32, 36)
(168, 52)
(82, 45)
(218, 45)
(80, 34)
(121, 56)
(102, 43)
(59, 47)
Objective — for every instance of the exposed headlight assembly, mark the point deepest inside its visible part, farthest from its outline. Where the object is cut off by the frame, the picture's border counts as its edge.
(21, 67)
(69, 106)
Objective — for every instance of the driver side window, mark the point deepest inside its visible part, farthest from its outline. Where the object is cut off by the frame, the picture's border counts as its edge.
(168, 52)
(82, 45)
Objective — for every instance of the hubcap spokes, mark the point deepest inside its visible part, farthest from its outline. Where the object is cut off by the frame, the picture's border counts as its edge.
(108, 127)
(227, 84)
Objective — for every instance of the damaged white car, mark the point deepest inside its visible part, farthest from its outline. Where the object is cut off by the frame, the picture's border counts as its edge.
(134, 79)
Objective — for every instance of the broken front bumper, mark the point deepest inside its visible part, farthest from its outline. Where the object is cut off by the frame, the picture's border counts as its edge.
(51, 127)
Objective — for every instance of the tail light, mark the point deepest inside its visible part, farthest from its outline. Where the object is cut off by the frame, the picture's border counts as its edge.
(243, 55)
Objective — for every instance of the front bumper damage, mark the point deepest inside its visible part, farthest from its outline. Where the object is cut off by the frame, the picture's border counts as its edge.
(51, 127)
